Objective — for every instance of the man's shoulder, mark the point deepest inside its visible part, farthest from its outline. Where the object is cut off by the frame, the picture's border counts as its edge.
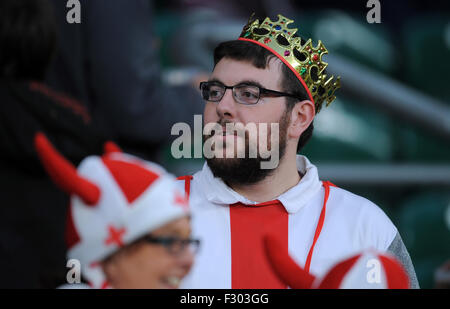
(369, 219)
(349, 201)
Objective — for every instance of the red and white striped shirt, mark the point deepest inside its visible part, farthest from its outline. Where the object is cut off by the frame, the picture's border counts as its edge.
(231, 227)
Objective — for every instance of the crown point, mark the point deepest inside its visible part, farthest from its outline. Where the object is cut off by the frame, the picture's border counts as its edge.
(310, 55)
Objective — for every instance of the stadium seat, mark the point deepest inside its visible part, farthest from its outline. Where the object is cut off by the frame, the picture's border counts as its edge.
(350, 132)
(165, 25)
(426, 43)
(424, 224)
(414, 144)
(351, 36)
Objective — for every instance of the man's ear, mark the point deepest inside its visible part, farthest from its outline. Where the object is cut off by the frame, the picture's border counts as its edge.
(302, 115)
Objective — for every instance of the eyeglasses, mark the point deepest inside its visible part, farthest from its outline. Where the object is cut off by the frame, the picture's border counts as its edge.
(243, 93)
(174, 245)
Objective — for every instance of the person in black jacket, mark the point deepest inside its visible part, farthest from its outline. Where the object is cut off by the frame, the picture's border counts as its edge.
(32, 209)
(109, 61)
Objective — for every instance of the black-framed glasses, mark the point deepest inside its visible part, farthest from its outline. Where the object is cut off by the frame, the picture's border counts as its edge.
(174, 245)
(243, 93)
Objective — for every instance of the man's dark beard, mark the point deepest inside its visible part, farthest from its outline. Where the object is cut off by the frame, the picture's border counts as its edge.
(246, 171)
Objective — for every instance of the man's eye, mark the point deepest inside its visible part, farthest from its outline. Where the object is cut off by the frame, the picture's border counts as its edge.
(248, 94)
(214, 93)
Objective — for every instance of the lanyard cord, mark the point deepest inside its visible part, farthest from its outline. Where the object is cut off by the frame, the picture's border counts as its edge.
(326, 185)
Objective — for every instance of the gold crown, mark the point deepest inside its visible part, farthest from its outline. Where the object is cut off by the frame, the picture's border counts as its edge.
(304, 59)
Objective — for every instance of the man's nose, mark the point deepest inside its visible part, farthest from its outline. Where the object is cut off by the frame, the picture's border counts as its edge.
(226, 108)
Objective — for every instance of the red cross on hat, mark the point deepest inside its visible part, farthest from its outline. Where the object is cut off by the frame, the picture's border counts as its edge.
(115, 236)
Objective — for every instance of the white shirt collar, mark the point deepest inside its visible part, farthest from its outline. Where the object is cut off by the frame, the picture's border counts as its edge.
(293, 200)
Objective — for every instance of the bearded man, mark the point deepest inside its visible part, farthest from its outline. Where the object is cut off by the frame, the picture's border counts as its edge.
(270, 75)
